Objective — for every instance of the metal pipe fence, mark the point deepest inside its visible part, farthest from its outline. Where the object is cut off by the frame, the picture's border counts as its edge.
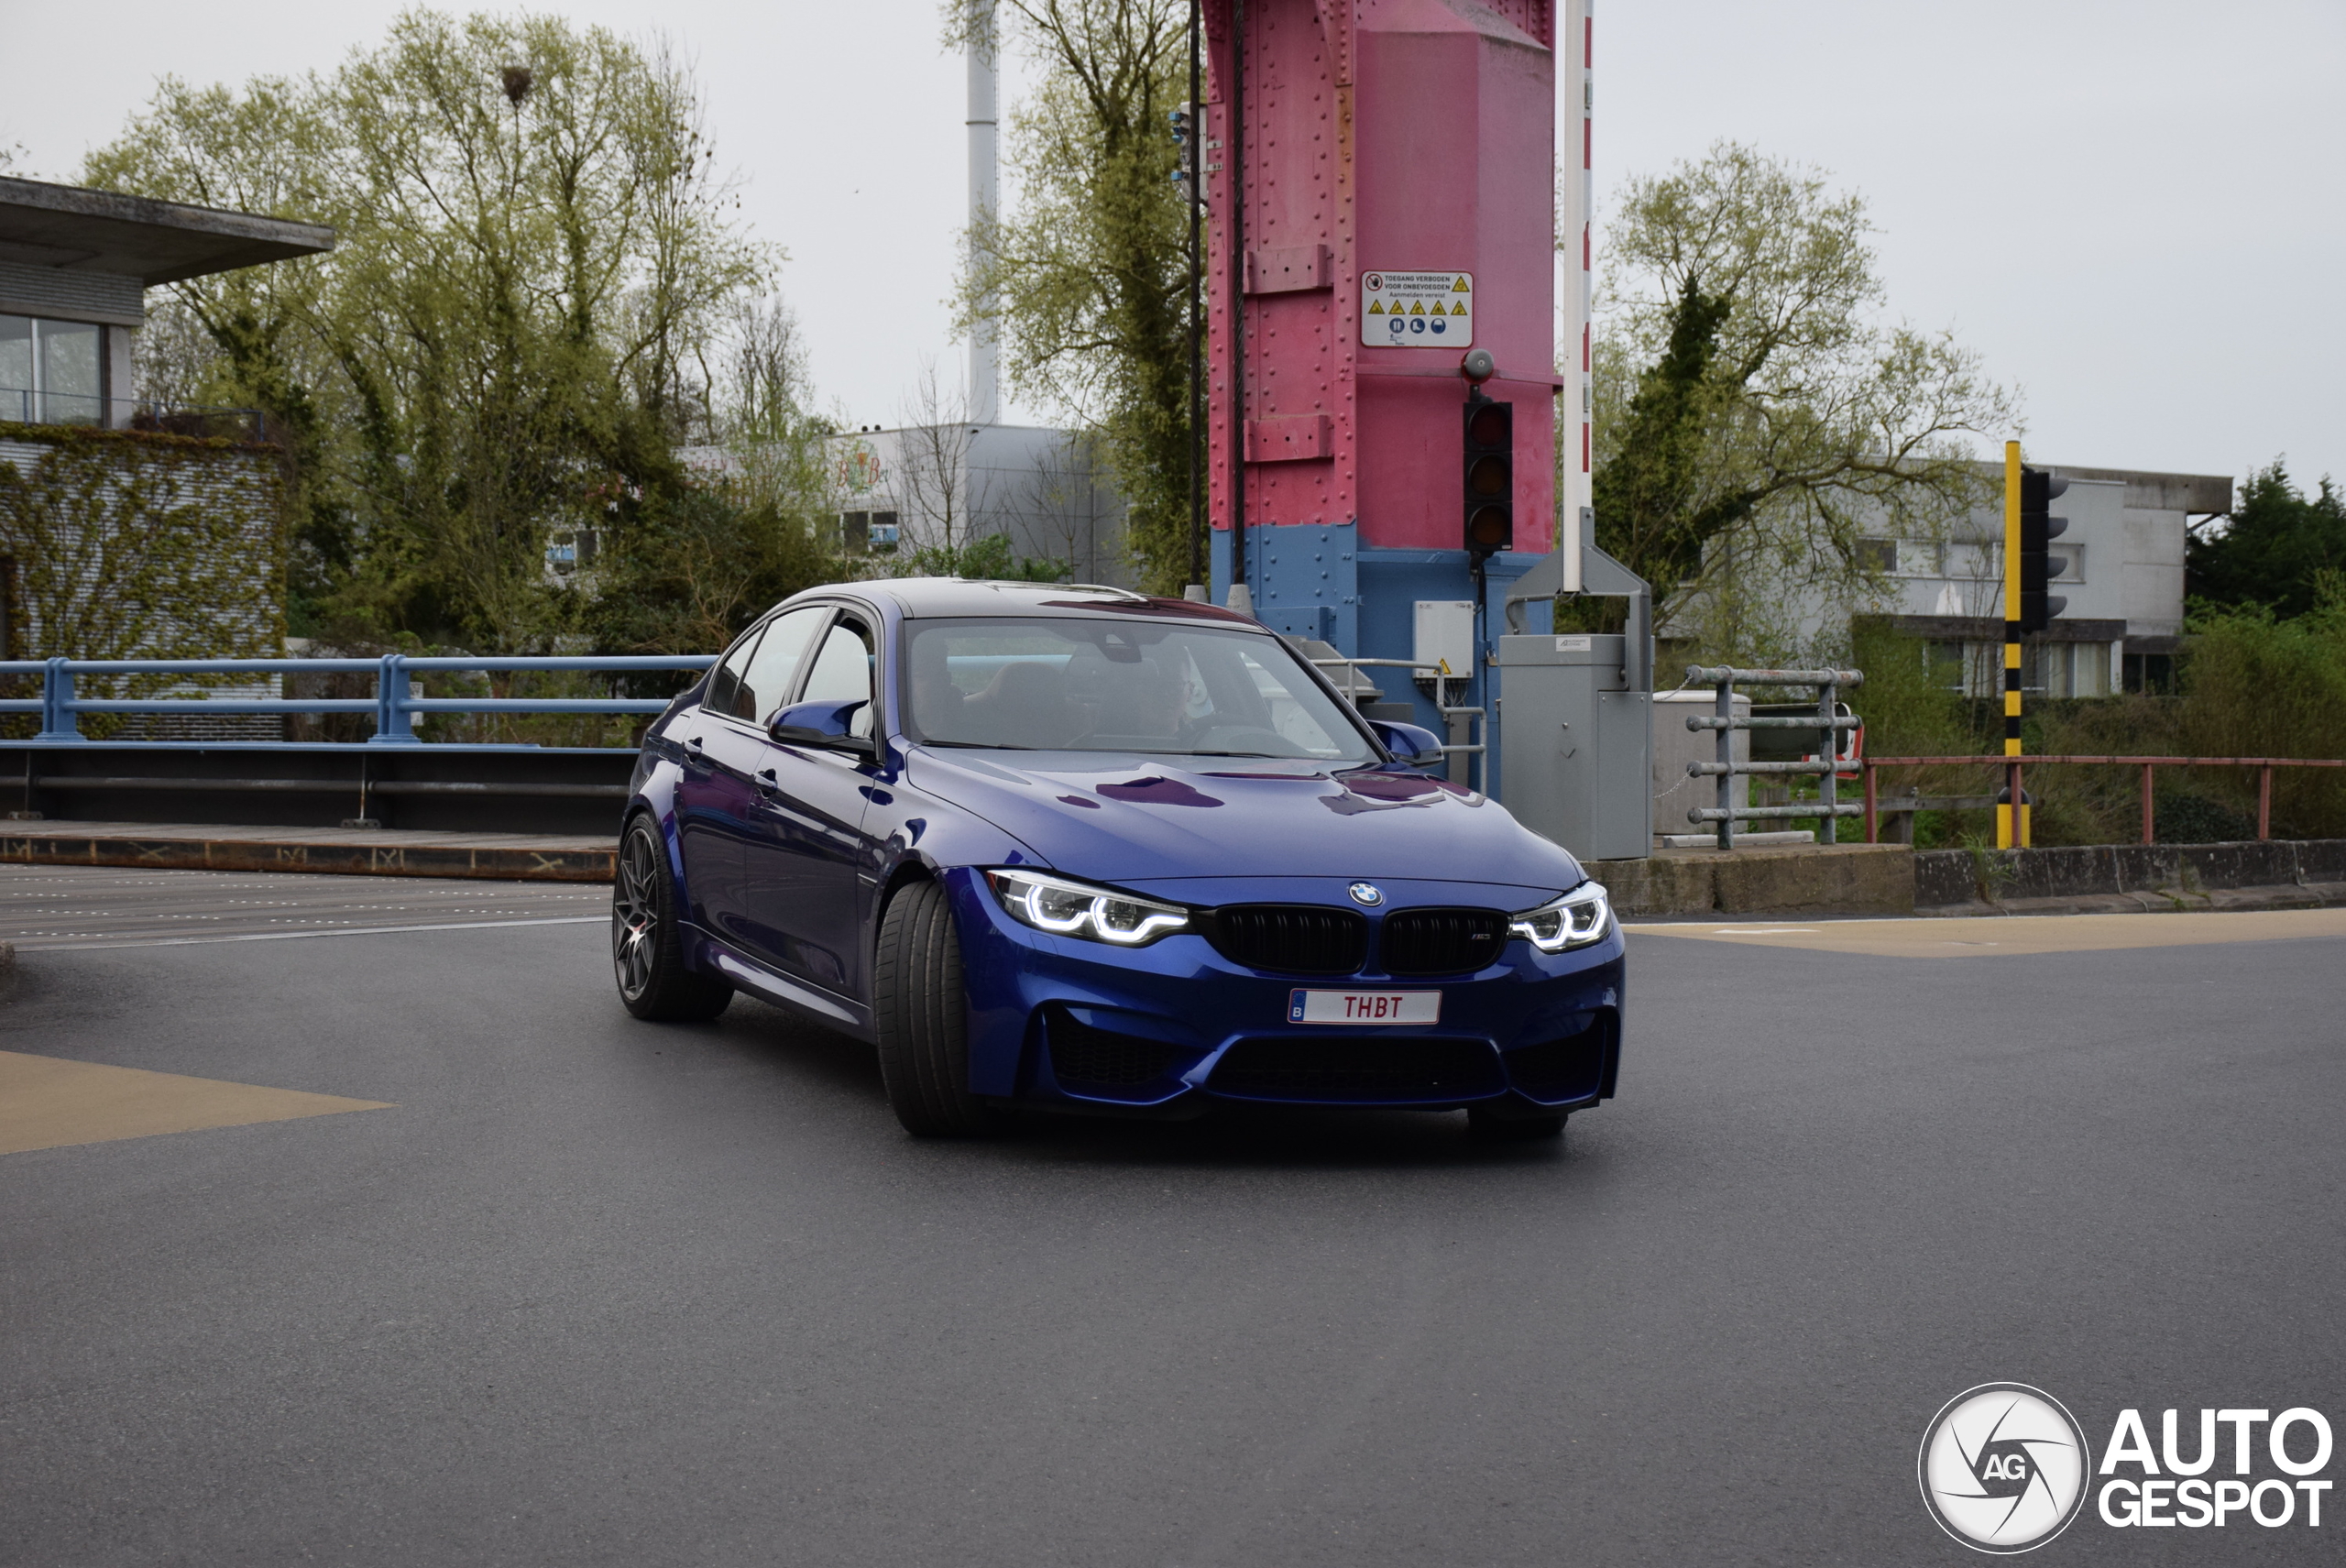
(2012, 766)
(1420, 670)
(23, 405)
(1827, 726)
(395, 704)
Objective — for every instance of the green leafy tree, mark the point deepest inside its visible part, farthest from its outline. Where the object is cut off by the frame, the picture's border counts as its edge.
(535, 254)
(1756, 414)
(2275, 549)
(1087, 280)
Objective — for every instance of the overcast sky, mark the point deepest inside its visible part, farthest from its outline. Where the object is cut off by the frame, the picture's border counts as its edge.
(2133, 210)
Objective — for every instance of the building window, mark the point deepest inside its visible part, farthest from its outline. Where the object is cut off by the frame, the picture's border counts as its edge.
(51, 372)
(2071, 669)
(1901, 557)
(2151, 672)
(573, 550)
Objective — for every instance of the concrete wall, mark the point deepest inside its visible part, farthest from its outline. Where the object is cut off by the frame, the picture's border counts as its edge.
(228, 600)
(1952, 878)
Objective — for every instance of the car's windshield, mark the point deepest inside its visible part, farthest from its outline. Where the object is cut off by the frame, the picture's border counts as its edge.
(1096, 684)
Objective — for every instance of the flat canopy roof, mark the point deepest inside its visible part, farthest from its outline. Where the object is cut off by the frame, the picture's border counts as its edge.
(80, 230)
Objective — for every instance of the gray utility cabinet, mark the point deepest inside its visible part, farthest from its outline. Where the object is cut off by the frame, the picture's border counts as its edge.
(1575, 764)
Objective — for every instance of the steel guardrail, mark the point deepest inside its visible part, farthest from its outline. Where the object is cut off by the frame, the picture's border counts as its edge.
(394, 704)
(1828, 766)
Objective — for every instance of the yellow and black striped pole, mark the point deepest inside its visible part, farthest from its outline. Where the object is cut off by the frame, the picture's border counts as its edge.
(2012, 819)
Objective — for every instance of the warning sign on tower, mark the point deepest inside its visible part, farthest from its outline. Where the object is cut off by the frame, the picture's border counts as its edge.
(1417, 309)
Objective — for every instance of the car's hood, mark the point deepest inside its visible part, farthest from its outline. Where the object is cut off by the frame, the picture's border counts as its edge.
(1130, 817)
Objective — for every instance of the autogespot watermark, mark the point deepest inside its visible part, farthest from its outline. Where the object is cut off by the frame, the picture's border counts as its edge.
(2005, 1468)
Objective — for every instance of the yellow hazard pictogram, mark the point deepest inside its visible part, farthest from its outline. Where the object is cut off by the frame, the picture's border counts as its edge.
(1419, 308)
(1376, 307)
(1460, 287)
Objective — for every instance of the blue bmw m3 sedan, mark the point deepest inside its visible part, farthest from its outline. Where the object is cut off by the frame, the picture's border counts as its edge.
(1073, 847)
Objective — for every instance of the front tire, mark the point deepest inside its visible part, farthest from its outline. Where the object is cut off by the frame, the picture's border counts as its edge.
(921, 1017)
(647, 944)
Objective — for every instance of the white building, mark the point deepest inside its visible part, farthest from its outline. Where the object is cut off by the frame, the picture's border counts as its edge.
(2122, 556)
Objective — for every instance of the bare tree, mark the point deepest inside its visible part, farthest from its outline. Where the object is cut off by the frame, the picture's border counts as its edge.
(1069, 495)
(174, 360)
(757, 372)
(942, 499)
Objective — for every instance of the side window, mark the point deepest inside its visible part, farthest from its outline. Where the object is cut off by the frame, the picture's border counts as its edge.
(843, 671)
(724, 685)
(766, 684)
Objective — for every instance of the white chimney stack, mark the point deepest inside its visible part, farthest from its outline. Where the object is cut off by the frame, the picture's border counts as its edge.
(985, 375)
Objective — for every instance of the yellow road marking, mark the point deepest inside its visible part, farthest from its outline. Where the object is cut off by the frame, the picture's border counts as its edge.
(1990, 936)
(47, 1103)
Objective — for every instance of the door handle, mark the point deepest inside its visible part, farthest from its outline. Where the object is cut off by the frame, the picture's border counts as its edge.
(693, 742)
(767, 781)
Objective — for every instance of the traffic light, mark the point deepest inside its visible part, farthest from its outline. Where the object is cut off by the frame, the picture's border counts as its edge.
(2038, 529)
(1490, 475)
(1185, 144)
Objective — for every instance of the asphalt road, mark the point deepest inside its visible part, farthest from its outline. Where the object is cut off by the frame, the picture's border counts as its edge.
(591, 1291)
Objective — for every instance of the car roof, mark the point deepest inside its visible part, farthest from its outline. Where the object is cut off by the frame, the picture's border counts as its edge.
(924, 599)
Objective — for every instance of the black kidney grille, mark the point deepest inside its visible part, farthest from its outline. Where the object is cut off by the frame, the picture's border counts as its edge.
(1571, 1067)
(1292, 938)
(1373, 1070)
(1084, 1057)
(1442, 941)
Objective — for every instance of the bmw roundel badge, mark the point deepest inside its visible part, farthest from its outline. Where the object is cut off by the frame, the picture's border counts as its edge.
(1367, 893)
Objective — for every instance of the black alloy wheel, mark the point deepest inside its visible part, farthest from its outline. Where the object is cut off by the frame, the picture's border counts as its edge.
(647, 952)
(921, 1016)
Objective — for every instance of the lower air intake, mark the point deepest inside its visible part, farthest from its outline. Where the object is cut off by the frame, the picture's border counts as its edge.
(1571, 1067)
(1100, 1061)
(1373, 1070)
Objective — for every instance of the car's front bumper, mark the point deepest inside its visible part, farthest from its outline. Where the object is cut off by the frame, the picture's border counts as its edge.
(1168, 1027)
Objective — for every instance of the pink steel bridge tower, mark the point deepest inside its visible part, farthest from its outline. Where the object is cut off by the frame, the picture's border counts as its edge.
(1382, 183)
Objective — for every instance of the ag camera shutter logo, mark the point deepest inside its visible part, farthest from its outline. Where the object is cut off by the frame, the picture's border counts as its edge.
(2003, 1468)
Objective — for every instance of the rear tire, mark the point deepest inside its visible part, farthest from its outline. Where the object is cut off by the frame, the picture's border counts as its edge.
(921, 1017)
(647, 944)
(1492, 1126)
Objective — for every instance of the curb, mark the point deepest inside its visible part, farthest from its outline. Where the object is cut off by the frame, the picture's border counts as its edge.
(2165, 901)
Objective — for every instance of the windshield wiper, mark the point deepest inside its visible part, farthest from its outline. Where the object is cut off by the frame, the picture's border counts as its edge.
(987, 746)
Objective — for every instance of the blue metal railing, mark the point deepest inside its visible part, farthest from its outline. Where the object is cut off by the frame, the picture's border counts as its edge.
(393, 704)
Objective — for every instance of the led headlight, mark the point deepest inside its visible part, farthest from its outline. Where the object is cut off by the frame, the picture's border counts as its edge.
(1077, 909)
(1580, 917)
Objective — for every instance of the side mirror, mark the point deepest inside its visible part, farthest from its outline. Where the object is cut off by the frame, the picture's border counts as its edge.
(821, 724)
(1408, 742)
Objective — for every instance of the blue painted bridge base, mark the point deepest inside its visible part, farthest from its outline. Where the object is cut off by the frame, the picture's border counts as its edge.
(1319, 582)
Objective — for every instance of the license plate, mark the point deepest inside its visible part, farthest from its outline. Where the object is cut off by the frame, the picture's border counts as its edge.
(1363, 1008)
